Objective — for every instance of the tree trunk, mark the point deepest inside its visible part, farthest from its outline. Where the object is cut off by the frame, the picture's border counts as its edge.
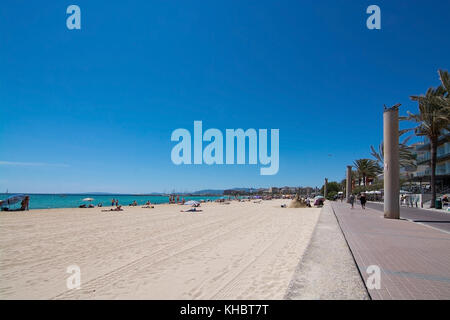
(433, 151)
(364, 179)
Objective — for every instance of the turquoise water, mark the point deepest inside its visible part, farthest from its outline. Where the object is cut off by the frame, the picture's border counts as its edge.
(45, 201)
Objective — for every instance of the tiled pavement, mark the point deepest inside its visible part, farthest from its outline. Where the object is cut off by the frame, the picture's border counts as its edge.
(433, 218)
(414, 259)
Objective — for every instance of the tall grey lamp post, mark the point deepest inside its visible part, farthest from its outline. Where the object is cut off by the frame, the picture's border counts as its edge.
(349, 182)
(391, 163)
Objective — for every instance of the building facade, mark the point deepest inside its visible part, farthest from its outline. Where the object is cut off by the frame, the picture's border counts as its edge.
(423, 171)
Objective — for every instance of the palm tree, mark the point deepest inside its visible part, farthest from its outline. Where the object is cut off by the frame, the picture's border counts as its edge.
(444, 100)
(366, 168)
(432, 119)
(354, 176)
(406, 158)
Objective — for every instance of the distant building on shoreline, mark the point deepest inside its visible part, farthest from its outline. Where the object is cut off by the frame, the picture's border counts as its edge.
(272, 191)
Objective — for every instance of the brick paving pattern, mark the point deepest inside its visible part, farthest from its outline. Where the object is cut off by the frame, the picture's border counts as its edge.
(436, 219)
(414, 259)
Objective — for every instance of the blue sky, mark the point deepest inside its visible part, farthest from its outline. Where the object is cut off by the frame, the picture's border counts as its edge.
(93, 109)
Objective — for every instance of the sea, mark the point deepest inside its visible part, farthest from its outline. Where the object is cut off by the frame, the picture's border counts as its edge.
(47, 201)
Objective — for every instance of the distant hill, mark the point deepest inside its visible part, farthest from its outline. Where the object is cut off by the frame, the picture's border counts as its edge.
(96, 193)
(244, 189)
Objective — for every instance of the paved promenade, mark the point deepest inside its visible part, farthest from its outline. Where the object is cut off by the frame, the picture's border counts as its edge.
(433, 218)
(414, 259)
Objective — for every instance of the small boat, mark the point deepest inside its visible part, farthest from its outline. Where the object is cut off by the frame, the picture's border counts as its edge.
(12, 200)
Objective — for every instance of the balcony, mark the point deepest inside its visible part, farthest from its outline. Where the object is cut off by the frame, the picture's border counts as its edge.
(440, 171)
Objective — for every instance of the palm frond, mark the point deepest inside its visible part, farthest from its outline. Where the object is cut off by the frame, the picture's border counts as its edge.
(445, 80)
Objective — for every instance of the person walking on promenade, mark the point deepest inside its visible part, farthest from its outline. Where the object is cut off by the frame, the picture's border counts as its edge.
(363, 200)
(352, 200)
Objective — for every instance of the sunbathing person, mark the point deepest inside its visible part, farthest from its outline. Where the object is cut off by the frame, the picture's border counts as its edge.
(191, 210)
(119, 208)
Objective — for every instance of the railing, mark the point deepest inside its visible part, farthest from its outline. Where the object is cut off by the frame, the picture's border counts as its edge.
(423, 157)
(422, 190)
(440, 171)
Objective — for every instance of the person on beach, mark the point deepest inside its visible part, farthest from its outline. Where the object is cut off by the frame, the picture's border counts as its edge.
(362, 199)
(352, 200)
(113, 201)
(118, 208)
(24, 205)
(148, 205)
(191, 210)
(117, 202)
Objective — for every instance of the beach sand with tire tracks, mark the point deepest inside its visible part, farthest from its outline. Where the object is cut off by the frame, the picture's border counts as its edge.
(241, 250)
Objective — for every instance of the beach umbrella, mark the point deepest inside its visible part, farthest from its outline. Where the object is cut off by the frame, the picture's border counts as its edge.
(88, 199)
(13, 200)
(192, 203)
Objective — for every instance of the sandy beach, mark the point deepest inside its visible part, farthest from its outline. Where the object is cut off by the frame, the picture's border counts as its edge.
(243, 250)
